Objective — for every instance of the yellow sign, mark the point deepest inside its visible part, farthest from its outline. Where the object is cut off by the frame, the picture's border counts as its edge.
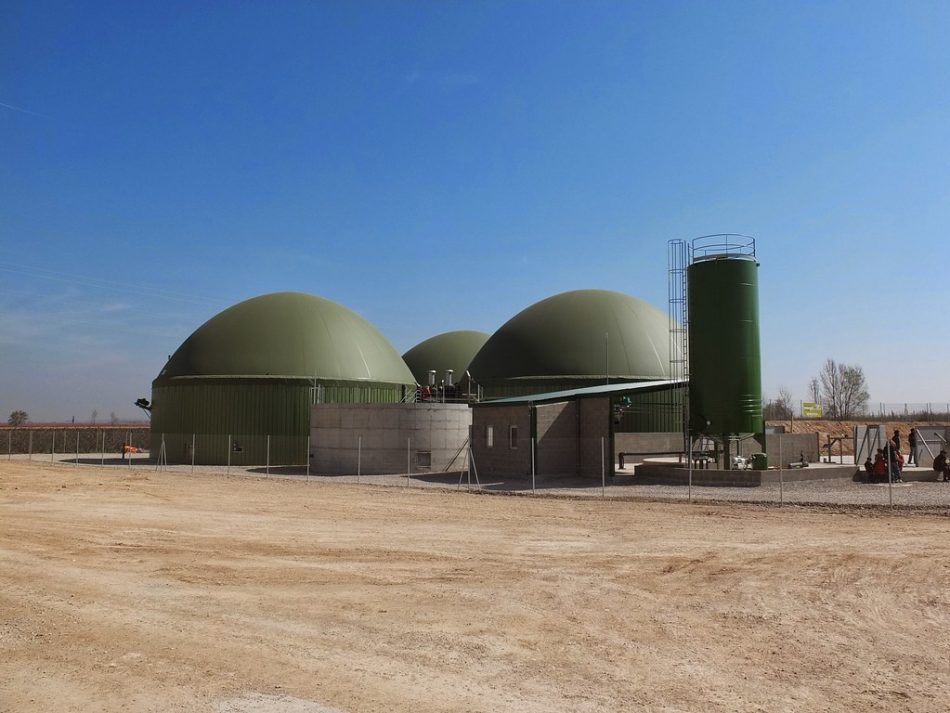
(811, 410)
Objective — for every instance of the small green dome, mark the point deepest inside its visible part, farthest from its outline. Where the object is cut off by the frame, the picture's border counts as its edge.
(288, 334)
(565, 336)
(451, 350)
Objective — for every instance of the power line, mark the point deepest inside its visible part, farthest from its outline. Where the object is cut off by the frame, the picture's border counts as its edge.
(98, 283)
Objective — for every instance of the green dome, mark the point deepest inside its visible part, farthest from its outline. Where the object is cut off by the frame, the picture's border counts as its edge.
(288, 334)
(563, 337)
(451, 350)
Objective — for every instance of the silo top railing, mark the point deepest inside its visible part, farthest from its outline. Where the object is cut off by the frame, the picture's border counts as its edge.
(732, 245)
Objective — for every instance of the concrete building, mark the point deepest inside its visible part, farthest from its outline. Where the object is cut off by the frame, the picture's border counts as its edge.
(565, 432)
(240, 388)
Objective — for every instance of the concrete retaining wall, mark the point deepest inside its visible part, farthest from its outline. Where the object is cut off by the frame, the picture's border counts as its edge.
(661, 474)
(793, 446)
(426, 436)
(647, 443)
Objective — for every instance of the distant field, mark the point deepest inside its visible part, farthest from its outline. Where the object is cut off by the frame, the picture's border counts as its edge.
(177, 592)
(92, 438)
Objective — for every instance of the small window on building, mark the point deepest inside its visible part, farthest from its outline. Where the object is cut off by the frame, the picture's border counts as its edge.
(512, 436)
(424, 459)
(490, 436)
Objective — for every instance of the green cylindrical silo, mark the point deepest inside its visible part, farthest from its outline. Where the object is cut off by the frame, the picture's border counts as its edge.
(725, 371)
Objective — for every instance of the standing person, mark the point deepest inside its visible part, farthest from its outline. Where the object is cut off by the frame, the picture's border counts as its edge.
(912, 440)
(897, 439)
(895, 461)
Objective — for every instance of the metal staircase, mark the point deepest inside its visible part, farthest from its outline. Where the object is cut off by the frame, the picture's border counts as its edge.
(678, 260)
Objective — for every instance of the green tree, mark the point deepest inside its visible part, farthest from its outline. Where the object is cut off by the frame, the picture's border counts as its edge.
(18, 418)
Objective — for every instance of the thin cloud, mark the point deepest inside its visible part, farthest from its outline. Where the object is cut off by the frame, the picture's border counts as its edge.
(101, 284)
(20, 109)
(114, 307)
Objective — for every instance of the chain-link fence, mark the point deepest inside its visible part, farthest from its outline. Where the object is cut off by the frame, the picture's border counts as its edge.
(588, 467)
(88, 443)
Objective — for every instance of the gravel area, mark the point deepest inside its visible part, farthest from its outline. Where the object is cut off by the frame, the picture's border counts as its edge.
(834, 492)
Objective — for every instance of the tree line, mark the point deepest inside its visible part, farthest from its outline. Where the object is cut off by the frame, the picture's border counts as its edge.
(21, 418)
(840, 388)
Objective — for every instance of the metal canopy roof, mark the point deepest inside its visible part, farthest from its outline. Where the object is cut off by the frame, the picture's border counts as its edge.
(590, 391)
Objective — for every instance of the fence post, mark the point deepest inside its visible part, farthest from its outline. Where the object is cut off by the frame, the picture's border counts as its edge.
(307, 454)
(532, 467)
(890, 477)
(781, 473)
(192, 452)
(689, 459)
(267, 466)
(9, 445)
(359, 456)
(603, 469)
(52, 447)
(408, 460)
(77, 446)
(130, 449)
(31, 445)
(102, 453)
(229, 455)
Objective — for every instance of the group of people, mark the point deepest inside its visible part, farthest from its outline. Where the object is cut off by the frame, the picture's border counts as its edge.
(888, 462)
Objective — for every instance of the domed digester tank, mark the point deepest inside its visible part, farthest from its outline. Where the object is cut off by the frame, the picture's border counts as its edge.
(725, 371)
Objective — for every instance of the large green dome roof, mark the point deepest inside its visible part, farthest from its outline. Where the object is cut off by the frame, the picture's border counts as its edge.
(289, 334)
(451, 350)
(564, 336)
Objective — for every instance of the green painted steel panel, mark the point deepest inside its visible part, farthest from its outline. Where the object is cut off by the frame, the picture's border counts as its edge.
(572, 340)
(289, 334)
(725, 363)
(651, 412)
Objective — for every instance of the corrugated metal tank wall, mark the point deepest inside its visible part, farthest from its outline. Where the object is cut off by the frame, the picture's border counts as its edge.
(651, 412)
(207, 411)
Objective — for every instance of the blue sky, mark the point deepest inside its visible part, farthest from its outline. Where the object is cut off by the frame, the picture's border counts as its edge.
(442, 165)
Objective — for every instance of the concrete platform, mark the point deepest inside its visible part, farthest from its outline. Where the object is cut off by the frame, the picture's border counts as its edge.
(660, 473)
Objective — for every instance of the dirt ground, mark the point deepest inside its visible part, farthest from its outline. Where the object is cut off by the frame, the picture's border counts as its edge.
(176, 592)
